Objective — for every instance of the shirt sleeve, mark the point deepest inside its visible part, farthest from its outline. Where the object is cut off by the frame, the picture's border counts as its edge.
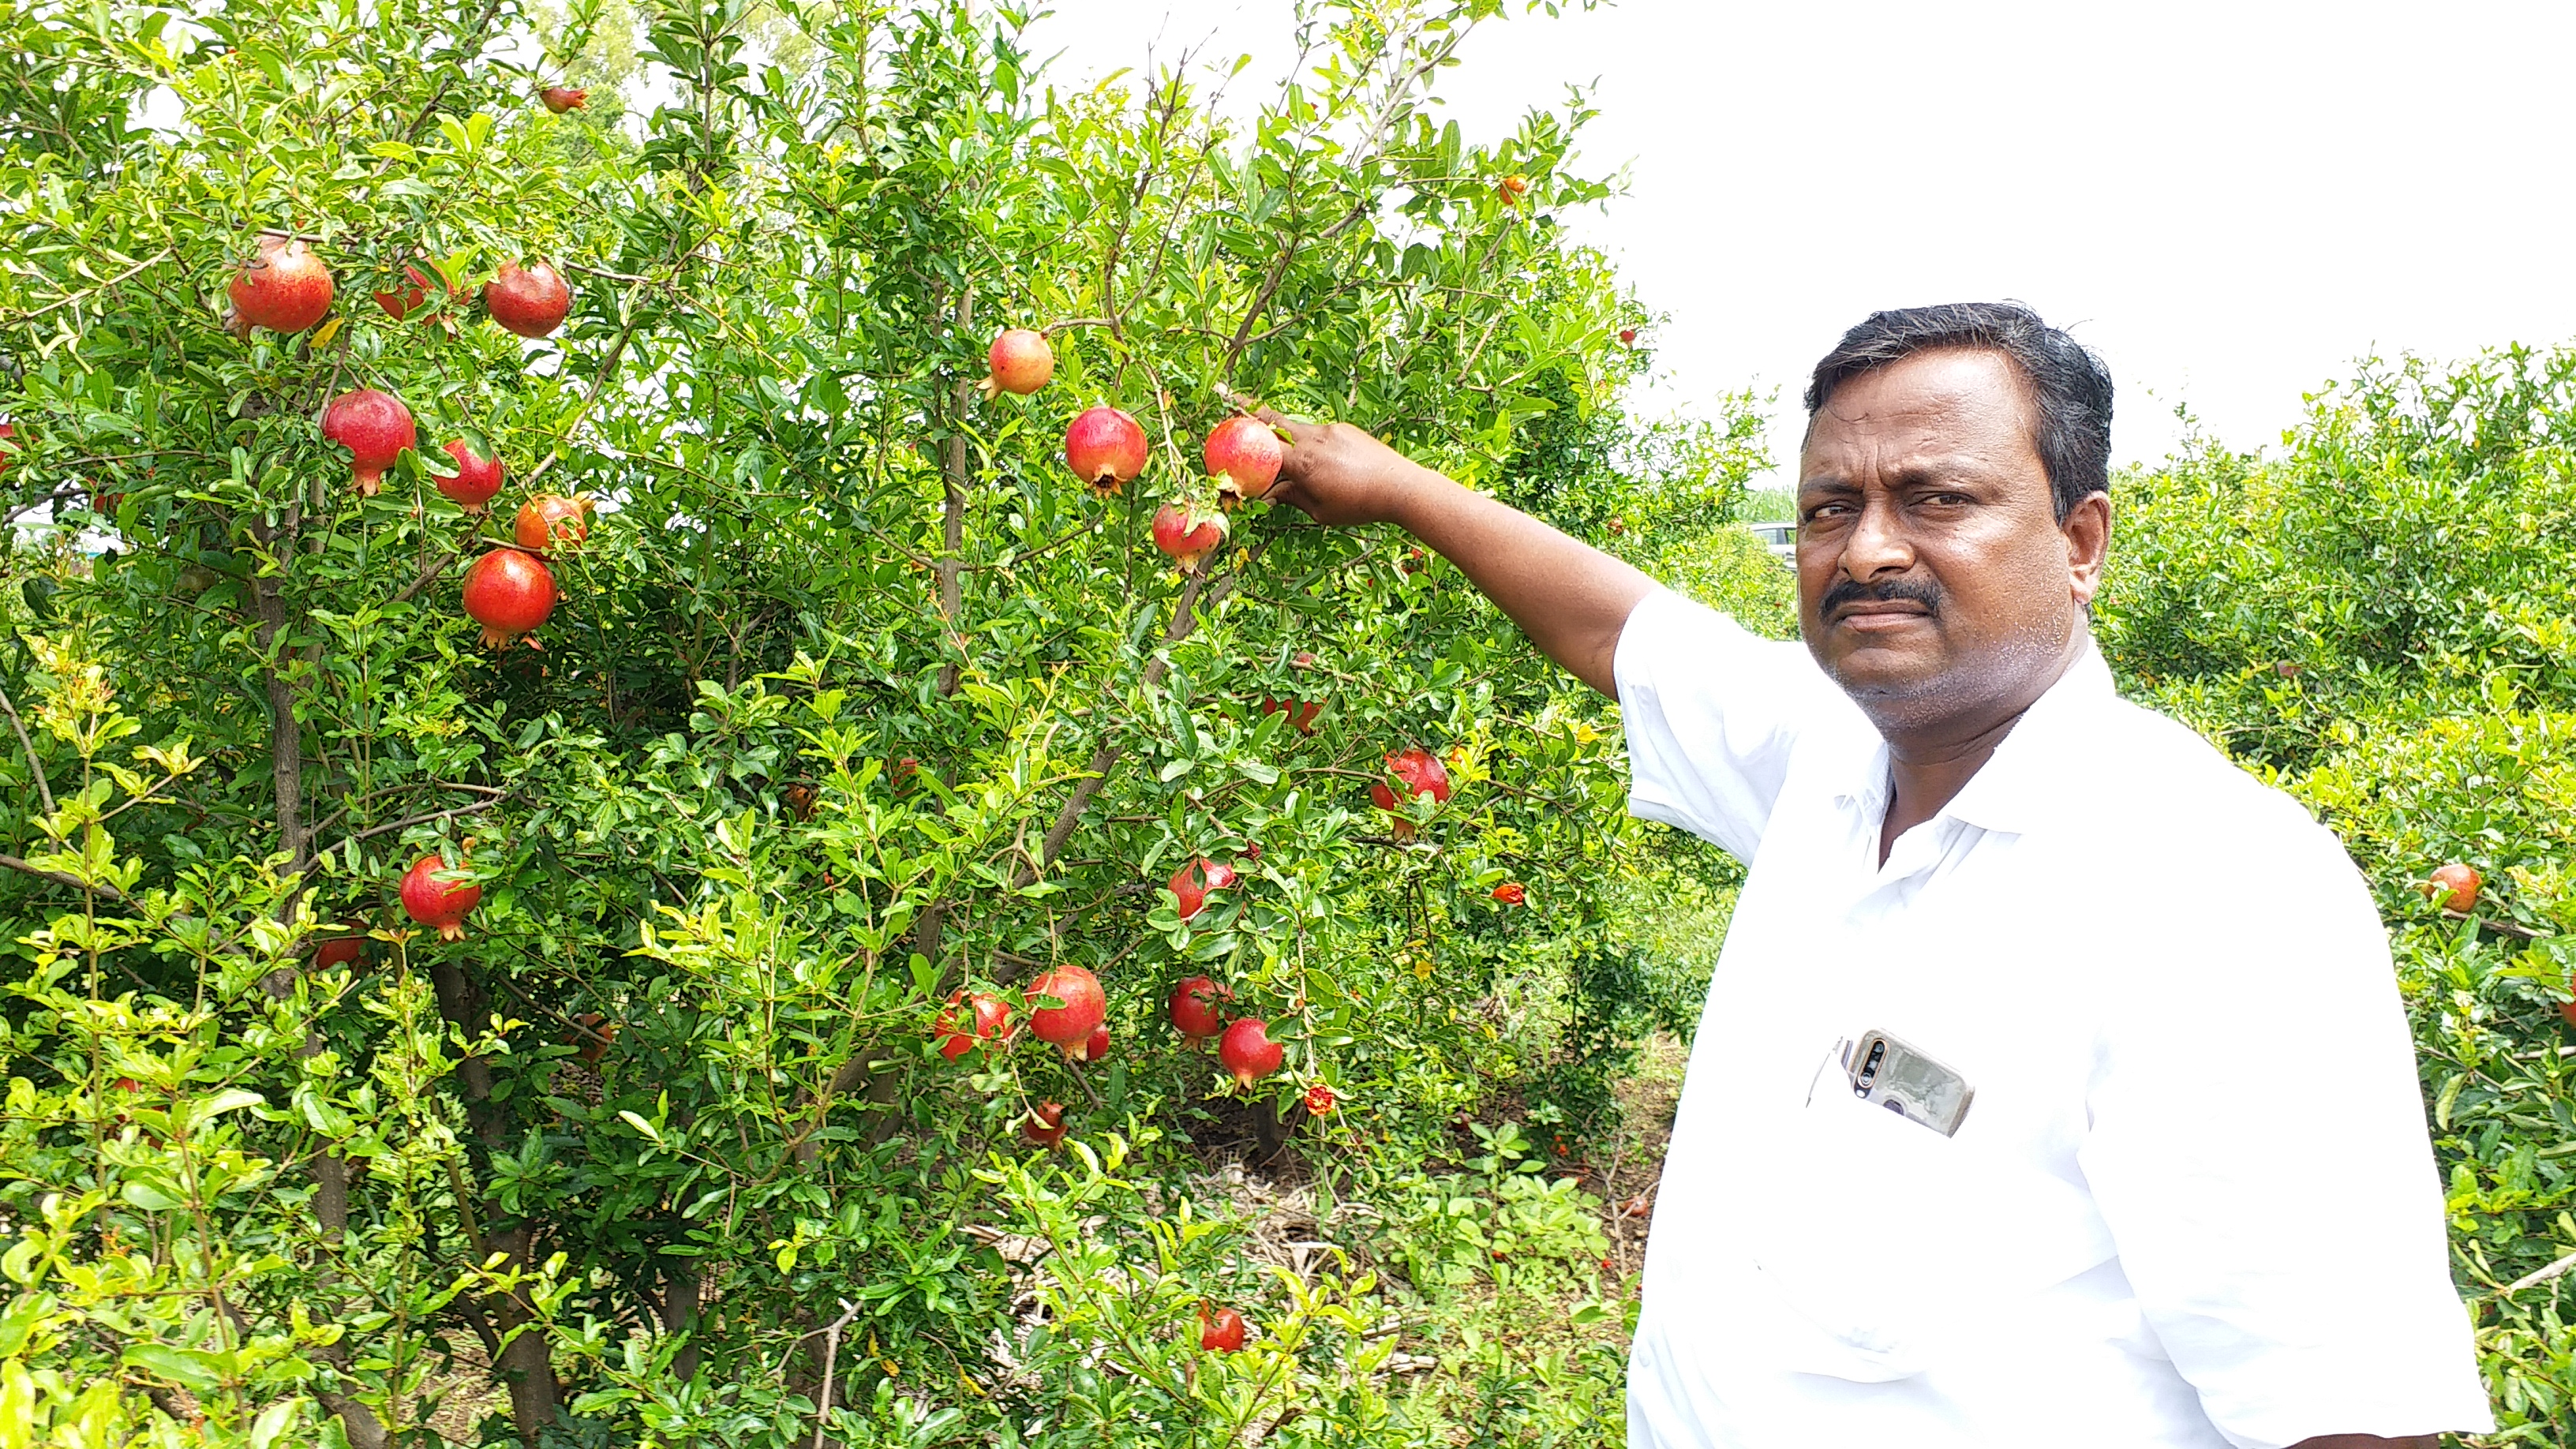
(2258, 1147)
(1712, 711)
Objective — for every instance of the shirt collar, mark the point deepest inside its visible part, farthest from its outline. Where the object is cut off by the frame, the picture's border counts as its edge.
(2030, 777)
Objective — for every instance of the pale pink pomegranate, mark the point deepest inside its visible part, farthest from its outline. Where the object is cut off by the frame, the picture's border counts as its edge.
(1021, 363)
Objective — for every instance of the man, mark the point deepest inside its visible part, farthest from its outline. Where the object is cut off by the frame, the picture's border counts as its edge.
(2190, 1201)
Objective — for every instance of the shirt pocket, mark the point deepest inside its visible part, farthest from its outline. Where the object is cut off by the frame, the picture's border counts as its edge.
(1887, 1241)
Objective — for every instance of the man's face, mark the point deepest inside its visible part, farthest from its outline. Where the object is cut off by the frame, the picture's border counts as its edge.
(1935, 583)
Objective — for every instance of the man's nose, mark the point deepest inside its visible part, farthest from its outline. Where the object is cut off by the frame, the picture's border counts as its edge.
(1877, 543)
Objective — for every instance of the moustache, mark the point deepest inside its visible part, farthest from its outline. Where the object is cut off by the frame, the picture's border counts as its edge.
(1846, 592)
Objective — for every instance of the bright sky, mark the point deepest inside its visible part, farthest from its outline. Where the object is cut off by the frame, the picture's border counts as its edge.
(2229, 201)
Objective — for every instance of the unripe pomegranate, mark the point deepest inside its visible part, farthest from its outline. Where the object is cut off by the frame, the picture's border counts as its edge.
(1511, 189)
(550, 520)
(286, 288)
(1512, 893)
(375, 427)
(530, 301)
(1070, 1025)
(1419, 771)
(1220, 1331)
(560, 99)
(509, 592)
(1245, 454)
(1320, 1099)
(1247, 1051)
(2455, 886)
(1095, 1048)
(1021, 362)
(1044, 1125)
(990, 1016)
(1195, 1006)
(1301, 712)
(476, 480)
(1187, 537)
(1192, 882)
(1105, 448)
(437, 903)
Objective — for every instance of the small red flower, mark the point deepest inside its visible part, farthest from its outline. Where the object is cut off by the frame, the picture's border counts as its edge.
(1320, 1099)
(1512, 893)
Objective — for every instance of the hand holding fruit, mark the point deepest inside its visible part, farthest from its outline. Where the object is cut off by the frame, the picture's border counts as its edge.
(1338, 474)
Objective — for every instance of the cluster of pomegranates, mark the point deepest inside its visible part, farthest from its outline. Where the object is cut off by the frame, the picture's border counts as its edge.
(287, 287)
(1077, 1025)
(1106, 448)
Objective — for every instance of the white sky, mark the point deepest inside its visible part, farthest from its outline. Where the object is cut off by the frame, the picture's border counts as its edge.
(2230, 201)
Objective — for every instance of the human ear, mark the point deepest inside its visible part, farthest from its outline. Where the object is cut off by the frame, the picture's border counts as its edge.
(2087, 531)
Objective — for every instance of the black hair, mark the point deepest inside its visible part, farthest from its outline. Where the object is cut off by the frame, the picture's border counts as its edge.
(2070, 389)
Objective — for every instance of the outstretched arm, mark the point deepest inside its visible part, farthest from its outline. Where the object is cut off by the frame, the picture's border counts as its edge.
(1569, 597)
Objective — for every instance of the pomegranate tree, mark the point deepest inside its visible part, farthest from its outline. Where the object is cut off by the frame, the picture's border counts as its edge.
(375, 427)
(1247, 1051)
(531, 301)
(1021, 363)
(1220, 1330)
(1187, 535)
(509, 592)
(476, 480)
(1192, 882)
(1243, 454)
(440, 904)
(1105, 448)
(1197, 1005)
(560, 99)
(551, 520)
(286, 288)
(987, 1019)
(1084, 1007)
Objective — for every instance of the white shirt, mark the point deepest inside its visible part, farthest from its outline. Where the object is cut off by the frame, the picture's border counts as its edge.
(2193, 1201)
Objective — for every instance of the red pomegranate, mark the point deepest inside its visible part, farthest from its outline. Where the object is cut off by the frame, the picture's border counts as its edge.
(439, 903)
(1196, 1006)
(1186, 536)
(1301, 712)
(1420, 772)
(509, 592)
(1095, 1048)
(1245, 453)
(1247, 1051)
(1512, 893)
(1105, 448)
(286, 288)
(2455, 886)
(1044, 1125)
(530, 301)
(991, 1018)
(550, 520)
(336, 951)
(410, 294)
(7, 431)
(1071, 1024)
(1511, 189)
(1320, 1100)
(1627, 336)
(1021, 362)
(375, 427)
(476, 480)
(1221, 1330)
(560, 99)
(1192, 882)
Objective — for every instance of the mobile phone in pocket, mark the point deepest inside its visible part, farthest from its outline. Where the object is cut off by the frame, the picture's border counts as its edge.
(1893, 1073)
